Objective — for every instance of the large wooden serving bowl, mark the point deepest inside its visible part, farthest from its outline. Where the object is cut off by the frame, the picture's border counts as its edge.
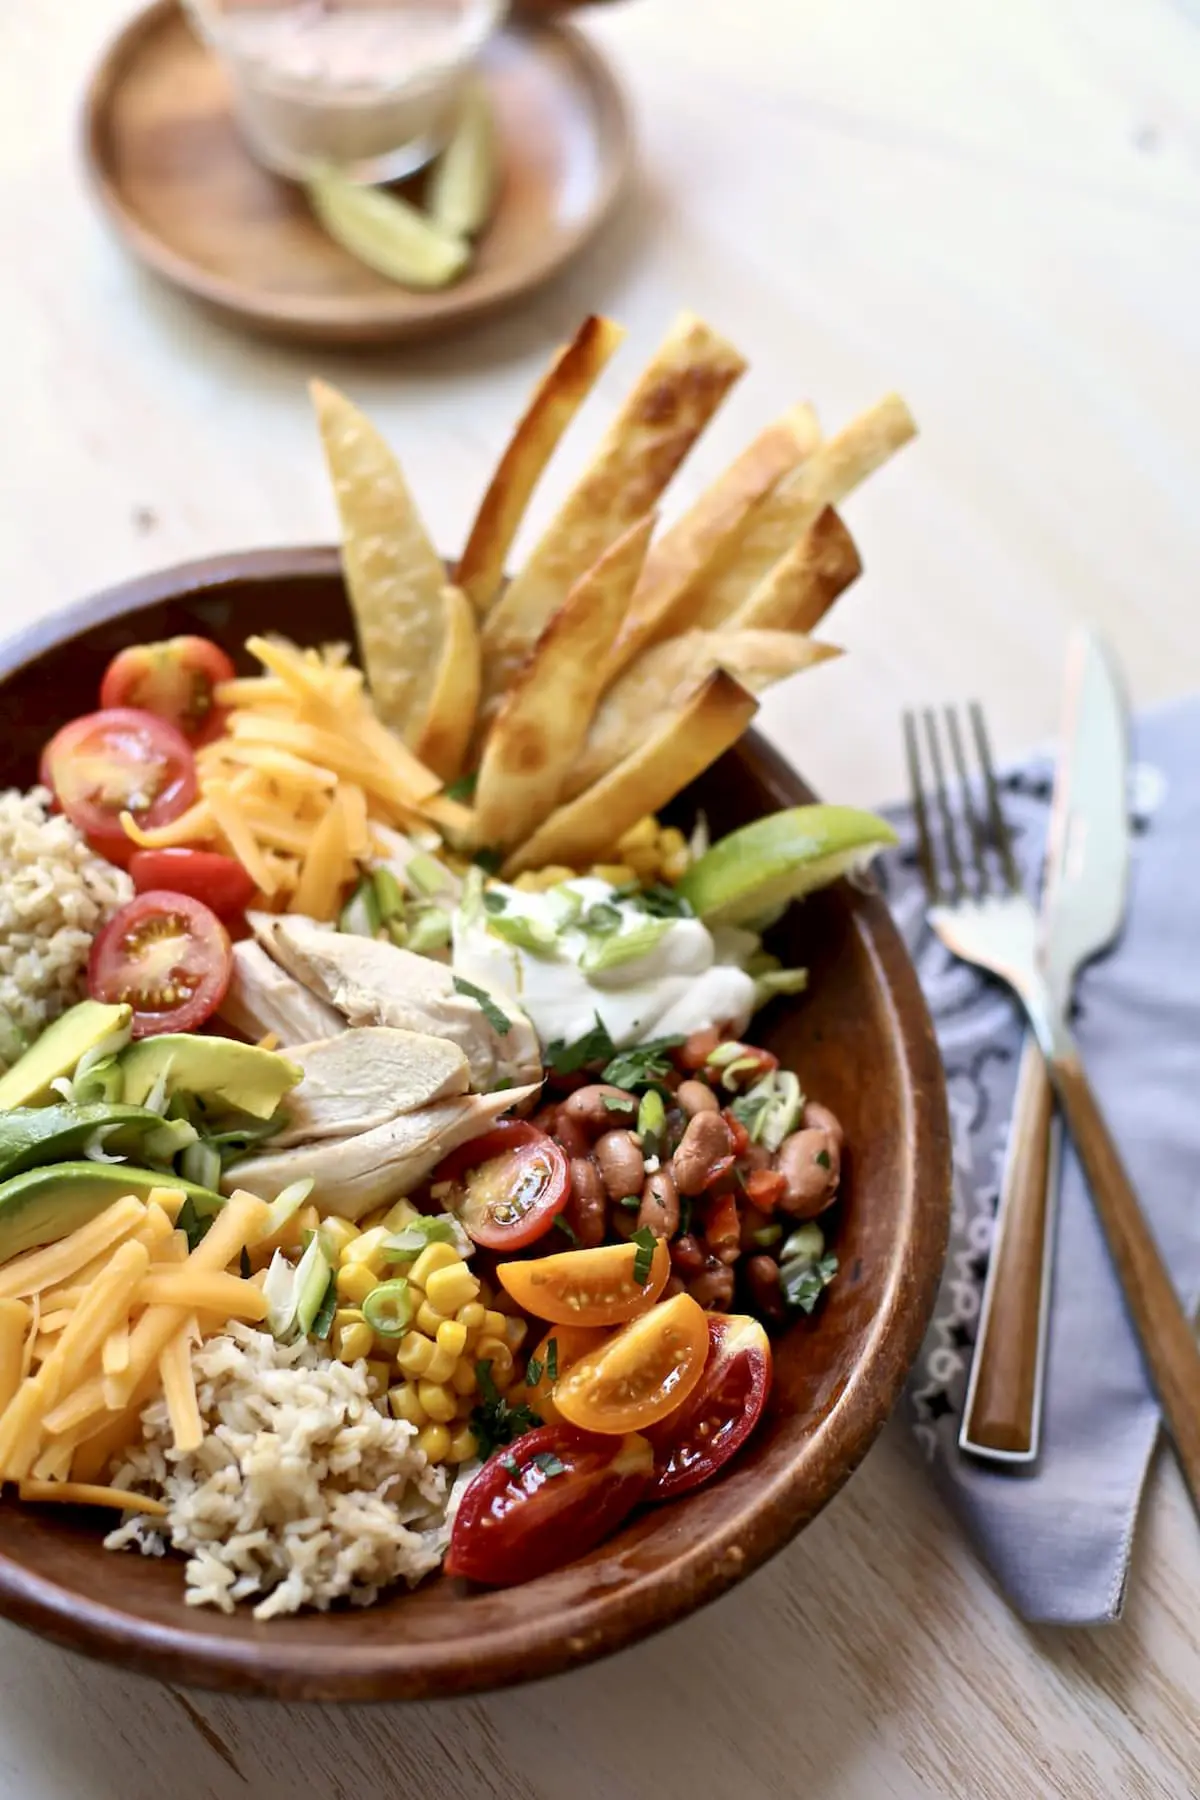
(861, 1042)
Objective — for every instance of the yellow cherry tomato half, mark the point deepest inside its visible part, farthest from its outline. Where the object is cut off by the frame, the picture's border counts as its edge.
(559, 1350)
(586, 1287)
(641, 1374)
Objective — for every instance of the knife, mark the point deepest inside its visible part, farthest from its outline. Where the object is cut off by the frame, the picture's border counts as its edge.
(1083, 906)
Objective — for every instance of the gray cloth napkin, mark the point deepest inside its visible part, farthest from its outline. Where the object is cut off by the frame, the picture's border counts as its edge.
(1058, 1537)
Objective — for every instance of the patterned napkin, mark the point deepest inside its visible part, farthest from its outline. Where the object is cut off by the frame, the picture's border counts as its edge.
(1057, 1537)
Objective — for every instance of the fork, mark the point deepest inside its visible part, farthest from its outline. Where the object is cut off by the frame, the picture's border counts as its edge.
(980, 912)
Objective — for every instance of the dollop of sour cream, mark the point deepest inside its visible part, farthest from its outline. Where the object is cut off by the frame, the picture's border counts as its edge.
(685, 981)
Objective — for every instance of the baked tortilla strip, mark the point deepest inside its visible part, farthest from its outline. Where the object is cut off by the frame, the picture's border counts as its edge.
(804, 585)
(450, 711)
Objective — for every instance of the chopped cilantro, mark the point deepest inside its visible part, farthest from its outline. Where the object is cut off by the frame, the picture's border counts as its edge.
(659, 900)
(412, 1238)
(748, 1109)
(601, 920)
(804, 1281)
(822, 1157)
(499, 1021)
(630, 1202)
(552, 1360)
(615, 1103)
(644, 1066)
(548, 1463)
(244, 1264)
(494, 1421)
(322, 1325)
(533, 1372)
(643, 1256)
(595, 1046)
(188, 1220)
(464, 788)
(494, 901)
(568, 1231)
(510, 1465)
(488, 860)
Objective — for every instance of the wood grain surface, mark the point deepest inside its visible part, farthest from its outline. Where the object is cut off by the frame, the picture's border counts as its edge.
(995, 209)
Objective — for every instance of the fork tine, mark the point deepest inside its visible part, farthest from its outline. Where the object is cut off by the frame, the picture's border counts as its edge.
(975, 824)
(920, 816)
(999, 830)
(957, 886)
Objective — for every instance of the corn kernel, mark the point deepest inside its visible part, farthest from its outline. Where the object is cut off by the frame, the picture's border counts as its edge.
(380, 1373)
(450, 1288)
(352, 1336)
(354, 1282)
(335, 1235)
(472, 1315)
(536, 881)
(452, 1338)
(400, 1215)
(676, 866)
(493, 1323)
(671, 842)
(497, 1352)
(437, 1400)
(372, 1220)
(403, 1403)
(434, 1441)
(433, 1256)
(415, 1353)
(307, 1219)
(463, 1378)
(527, 883)
(514, 1332)
(429, 1318)
(616, 874)
(463, 1445)
(441, 1366)
(645, 864)
(643, 835)
(368, 1248)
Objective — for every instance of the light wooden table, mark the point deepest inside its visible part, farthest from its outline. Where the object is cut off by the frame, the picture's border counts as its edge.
(994, 207)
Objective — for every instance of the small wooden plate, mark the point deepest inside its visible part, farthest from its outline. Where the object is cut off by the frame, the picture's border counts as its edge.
(187, 197)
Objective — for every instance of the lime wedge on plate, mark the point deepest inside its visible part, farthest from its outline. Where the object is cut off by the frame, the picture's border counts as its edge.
(386, 233)
(463, 184)
(749, 877)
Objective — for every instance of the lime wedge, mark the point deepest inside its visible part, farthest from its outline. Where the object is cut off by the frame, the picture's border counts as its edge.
(386, 233)
(749, 877)
(463, 184)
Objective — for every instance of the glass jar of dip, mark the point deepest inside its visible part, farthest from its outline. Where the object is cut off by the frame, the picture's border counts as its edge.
(366, 86)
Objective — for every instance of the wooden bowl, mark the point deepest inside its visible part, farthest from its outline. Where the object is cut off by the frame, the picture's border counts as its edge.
(861, 1042)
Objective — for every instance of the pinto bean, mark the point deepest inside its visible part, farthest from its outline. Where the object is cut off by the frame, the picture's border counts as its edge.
(810, 1163)
(752, 1221)
(697, 1097)
(761, 1275)
(571, 1135)
(598, 1106)
(675, 1285)
(819, 1118)
(546, 1116)
(585, 1211)
(687, 1254)
(621, 1163)
(704, 1143)
(713, 1289)
(660, 1205)
(695, 1050)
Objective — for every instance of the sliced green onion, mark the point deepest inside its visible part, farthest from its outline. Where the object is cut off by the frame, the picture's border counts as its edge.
(312, 1285)
(360, 915)
(628, 946)
(565, 905)
(651, 1122)
(389, 895)
(778, 981)
(286, 1205)
(101, 1081)
(202, 1164)
(429, 931)
(806, 1241)
(766, 1235)
(412, 1238)
(322, 1324)
(725, 1054)
(494, 901)
(397, 930)
(427, 875)
(803, 1281)
(388, 1308)
(279, 1292)
(775, 1104)
(525, 932)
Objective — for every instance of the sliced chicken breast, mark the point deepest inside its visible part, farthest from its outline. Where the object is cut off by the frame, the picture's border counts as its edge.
(365, 1076)
(262, 997)
(354, 1175)
(374, 983)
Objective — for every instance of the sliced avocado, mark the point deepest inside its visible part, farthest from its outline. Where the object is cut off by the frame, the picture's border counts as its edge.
(220, 1071)
(32, 1136)
(84, 1027)
(46, 1204)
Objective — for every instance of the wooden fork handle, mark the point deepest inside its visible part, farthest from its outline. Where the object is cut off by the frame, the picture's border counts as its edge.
(1165, 1331)
(1002, 1411)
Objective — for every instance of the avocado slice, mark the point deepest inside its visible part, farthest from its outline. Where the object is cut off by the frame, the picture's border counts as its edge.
(46, 1204)
(220, 1071)
(82, 1028)
(32, 1136)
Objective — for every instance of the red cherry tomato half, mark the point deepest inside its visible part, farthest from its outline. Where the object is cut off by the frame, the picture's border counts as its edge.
(542, 1501)
(721, 1411)
(174, 680)
(119, 761)
(220, 881)
(507, 1186)
(166, 955)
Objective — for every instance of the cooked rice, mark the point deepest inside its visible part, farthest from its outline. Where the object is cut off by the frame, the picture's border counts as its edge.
(303, 1490)
(55, 894)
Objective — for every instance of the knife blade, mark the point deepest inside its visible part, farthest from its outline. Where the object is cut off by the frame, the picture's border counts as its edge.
(1087, 846)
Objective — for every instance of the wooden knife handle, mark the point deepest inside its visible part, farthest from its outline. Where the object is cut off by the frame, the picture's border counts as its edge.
(1002, 1401)
(1167, 1337)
